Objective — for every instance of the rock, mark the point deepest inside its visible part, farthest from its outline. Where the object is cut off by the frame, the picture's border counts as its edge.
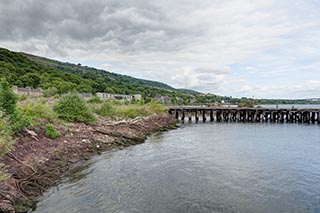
(6, 206)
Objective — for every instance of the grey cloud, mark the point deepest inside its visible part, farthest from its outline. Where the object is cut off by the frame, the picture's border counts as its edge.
(129, 26)
(185, 43)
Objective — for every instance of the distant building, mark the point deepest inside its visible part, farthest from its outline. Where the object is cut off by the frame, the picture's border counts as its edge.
(86, 95)
(28, 91)
(162, 99)
(136, 97)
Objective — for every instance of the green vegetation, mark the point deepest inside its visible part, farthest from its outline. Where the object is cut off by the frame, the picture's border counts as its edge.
(8, 99)
(51, 131)
(72, 108)
(38, 112)
(8, 105)
(56, 77)
(122, 110)
(248, 103)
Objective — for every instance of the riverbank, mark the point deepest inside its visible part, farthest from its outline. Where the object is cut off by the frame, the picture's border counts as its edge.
(37, 162)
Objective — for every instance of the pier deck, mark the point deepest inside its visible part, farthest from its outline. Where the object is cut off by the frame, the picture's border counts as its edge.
(256, 114)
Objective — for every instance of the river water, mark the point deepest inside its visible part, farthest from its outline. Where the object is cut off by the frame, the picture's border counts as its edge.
(204, 167)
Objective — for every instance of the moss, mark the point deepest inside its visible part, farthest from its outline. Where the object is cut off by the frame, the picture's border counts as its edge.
(23, 206)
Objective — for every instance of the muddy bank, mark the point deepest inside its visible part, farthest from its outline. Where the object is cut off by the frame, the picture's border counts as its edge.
(37, 162)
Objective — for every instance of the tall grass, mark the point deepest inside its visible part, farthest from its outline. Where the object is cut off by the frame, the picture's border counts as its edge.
(38, 113)
(122, 110)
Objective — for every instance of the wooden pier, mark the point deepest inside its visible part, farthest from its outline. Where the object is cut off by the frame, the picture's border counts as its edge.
(228, 114)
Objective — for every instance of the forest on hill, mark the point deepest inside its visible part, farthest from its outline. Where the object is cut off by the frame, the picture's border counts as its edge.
(24, 70)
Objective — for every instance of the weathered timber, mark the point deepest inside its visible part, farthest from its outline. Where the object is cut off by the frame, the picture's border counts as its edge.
(234, 114)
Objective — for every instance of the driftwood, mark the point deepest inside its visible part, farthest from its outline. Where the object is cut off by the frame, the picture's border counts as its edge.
(119, 135)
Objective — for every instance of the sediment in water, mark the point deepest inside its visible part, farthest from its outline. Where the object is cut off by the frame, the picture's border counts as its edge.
(37, 162)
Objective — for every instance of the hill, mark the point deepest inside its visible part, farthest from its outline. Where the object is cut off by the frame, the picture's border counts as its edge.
(23, 70)
(93, 73)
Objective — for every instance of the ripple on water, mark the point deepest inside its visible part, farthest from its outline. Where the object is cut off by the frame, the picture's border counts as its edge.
(201, 168)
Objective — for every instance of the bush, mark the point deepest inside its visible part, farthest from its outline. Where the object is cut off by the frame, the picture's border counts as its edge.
(51, 131)
(8, 105)
(106, 110)
(132, 111)
(156, 107)
(5, 134)
(71, 107)
(22, 97)
(19, 122)
(94, 99)
(37, 113)
(50, 92)
(8, 99)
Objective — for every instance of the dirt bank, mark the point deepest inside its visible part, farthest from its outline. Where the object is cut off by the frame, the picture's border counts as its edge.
(37, 162)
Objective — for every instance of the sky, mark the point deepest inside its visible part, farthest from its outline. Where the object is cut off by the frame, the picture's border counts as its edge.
(239, 48)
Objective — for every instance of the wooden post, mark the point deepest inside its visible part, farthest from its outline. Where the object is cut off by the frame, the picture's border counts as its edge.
(307, 113)
(177, 114)
(211, 116)
(196, 115)
(183, 115)
(218, 114)
(204, 115)
(288, 116)
(313, 117)
(300, 117)
(190, 115)
(234, 115)
(281, 116)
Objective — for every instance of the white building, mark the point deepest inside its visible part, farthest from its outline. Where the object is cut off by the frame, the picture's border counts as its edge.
(136, 97)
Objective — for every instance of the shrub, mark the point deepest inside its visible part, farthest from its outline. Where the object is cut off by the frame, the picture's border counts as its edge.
(8, 99)
(156, 107)
(38, 112)
(5, 134)
(71, 107)
(106, 110)
(50, 92)
(8, 102)
(132, 111)
(51, 131)
(94, 99)
(19, 122)
(22, 97)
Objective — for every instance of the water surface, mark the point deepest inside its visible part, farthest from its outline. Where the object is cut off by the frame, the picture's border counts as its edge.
(217, 167)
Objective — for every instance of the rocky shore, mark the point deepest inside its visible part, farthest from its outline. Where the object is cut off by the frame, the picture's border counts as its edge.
(37, 162)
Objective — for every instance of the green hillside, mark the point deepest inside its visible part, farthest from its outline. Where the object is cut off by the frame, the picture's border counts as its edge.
(27, 70)
(93, 73)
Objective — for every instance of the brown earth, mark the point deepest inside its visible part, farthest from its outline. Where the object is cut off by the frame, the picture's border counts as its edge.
(36, 162)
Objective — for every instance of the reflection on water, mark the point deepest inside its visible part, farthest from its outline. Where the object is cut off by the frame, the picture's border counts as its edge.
(226, 167)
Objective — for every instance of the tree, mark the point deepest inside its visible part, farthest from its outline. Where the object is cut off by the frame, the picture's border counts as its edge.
(8, 99)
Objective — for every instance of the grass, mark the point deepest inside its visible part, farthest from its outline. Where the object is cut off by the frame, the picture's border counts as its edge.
(123, 110)
(38, 113)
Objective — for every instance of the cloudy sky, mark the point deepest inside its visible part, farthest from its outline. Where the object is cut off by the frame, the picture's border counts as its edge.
(265, 48)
